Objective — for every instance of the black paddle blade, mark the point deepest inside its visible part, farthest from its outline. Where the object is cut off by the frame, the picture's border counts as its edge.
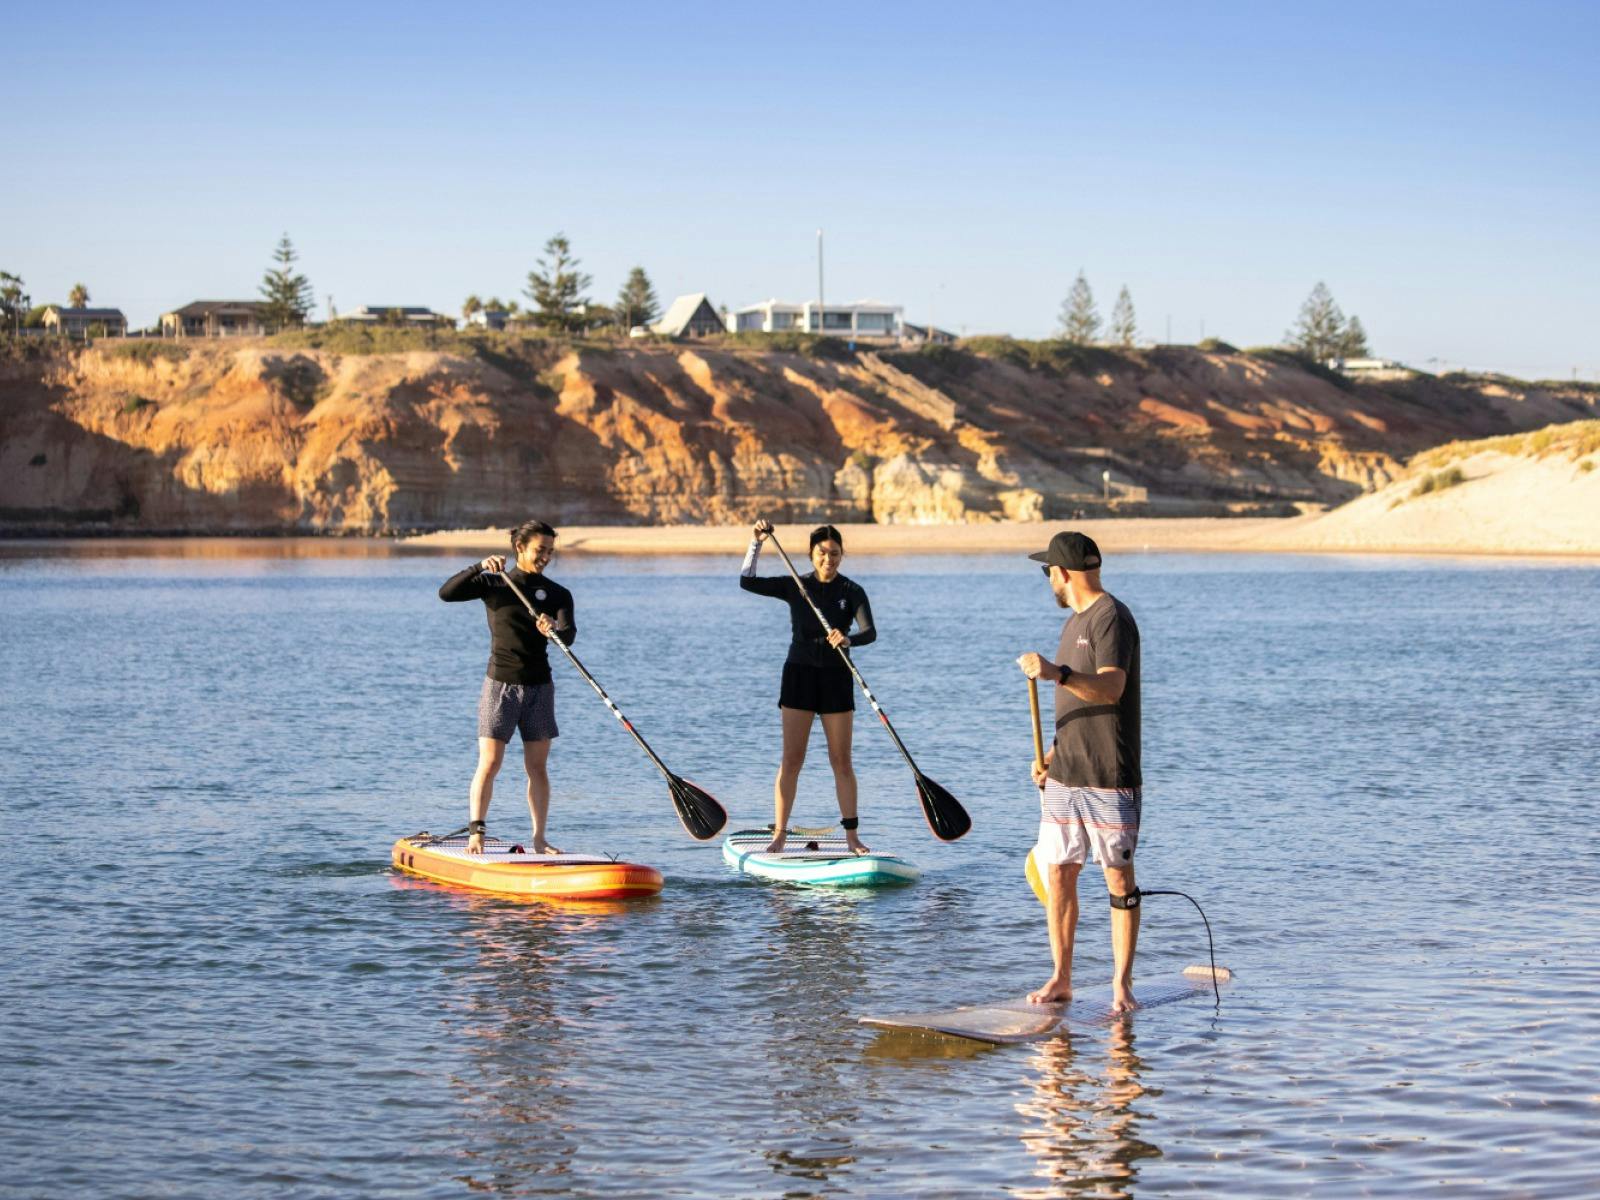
(699, 811)
(944, 813)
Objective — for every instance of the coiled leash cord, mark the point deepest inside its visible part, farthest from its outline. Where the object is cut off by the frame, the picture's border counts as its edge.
(1132, 899)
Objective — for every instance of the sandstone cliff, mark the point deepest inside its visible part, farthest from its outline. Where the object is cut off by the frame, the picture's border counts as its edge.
(266, 437)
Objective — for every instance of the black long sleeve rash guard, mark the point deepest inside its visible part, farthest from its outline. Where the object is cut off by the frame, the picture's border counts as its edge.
(517, 650)
(841, 601)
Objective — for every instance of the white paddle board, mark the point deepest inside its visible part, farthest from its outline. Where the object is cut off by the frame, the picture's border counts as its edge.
(1011, 1021)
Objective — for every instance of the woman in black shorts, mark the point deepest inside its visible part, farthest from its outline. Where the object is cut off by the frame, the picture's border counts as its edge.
(816, 682)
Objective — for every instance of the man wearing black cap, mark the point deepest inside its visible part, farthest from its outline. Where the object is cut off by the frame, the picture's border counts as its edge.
(1089, 788)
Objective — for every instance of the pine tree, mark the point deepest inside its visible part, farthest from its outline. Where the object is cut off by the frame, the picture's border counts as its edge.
(558, 286)
(78, 297)
(289, 299)
(1319, 332)
(1353, 340)
(14, 301)
(636, 302)
(1124, 329)
(1080, 322)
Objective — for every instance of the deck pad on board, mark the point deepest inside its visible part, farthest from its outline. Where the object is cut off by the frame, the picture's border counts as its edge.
(817, 856)
(1010, 1021)
(499, 850)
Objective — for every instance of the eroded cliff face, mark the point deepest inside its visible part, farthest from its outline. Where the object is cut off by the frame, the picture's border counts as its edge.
(250, 437)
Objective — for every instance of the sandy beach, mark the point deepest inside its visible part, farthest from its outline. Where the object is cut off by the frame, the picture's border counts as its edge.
(1204, 533)
(1266, 535)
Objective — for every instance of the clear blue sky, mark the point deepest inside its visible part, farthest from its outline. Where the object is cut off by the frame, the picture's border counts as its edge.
(1434, 163)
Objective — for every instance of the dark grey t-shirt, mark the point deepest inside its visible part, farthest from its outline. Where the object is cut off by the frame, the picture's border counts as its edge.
(1097, 745)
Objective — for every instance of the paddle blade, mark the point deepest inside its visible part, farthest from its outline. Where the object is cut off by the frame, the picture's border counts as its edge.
(701, 815)
(944, 813)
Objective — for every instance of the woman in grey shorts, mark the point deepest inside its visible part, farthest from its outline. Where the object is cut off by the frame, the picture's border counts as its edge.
(518, 695)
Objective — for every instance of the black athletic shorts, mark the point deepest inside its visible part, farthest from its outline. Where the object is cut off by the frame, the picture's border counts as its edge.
(817, 689)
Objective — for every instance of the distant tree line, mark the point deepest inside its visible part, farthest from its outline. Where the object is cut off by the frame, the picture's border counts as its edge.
(558, 288)
(1321, 332)
(1080, 321)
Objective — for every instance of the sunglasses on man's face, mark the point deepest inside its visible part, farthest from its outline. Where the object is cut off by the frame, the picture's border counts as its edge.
(1046, 570)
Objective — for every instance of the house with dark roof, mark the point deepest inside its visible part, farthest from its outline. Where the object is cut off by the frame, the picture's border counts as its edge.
(396, 314)
(927, 335)
(85, 322)
(690, 316)
(215, 318)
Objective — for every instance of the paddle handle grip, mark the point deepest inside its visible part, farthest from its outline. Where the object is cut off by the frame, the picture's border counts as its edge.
(1038, 732)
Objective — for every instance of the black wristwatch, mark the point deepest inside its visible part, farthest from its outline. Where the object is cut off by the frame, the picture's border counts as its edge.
(1066, 673)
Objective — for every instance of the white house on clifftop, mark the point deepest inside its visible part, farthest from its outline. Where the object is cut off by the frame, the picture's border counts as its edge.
(865, 319)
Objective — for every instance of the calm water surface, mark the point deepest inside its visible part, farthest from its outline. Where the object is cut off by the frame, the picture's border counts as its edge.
(1379, 777)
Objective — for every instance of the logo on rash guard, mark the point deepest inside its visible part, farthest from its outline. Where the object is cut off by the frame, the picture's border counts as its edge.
(540, 594)
(841, 603)
(1083, 641)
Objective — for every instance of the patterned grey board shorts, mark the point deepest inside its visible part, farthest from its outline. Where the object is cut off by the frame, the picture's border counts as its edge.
(526, 708)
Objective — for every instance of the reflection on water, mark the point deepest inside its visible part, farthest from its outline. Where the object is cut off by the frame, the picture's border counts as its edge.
(810, 961)
(516, 1026)
(1084, 1126)
(241, 549)
(221, 750)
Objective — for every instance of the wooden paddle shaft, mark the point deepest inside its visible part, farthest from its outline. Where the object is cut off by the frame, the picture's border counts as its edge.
(1038, 733)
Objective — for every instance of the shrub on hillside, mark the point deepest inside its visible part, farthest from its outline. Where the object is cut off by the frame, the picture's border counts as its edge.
(1051, 357)
(1439, 481)
(145, 352)
(1299, 362)
(812, 345)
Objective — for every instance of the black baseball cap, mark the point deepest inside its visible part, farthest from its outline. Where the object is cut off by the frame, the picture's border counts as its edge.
(1073, 551)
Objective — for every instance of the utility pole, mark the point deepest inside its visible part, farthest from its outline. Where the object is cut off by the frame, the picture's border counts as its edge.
(820, 305)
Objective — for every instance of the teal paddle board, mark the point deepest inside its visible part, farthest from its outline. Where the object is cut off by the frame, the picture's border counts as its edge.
(814, 856)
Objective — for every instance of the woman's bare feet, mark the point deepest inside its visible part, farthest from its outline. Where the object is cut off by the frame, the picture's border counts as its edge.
(1122, 1000)
(857, 846)
(775, 846)
(540, 846)
(475, 843)
(1057, 991)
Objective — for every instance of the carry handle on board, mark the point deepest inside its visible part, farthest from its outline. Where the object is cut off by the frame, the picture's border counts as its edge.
(699, 811)
(943, 812)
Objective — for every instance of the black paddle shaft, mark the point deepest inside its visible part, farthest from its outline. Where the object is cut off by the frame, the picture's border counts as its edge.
(697, 809)
(591, 680)
(945, 815)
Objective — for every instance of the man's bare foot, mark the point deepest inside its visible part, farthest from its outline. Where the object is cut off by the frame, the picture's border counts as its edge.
(475, 843)
(540, 846)
(857, 846)
(1057, 991)
(1122, 1000)
(775, 846)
